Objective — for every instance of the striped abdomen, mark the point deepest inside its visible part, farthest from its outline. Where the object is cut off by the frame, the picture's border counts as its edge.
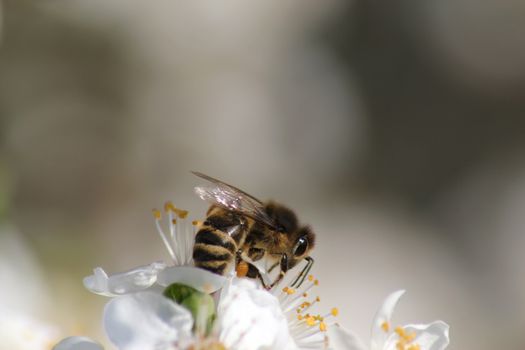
(217, 241)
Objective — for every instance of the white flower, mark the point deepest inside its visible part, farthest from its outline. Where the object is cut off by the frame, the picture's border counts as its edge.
(22, 332)
(433, 336)
(23, 294)
(147, 320)
(179, 241)
(248, 319)
(78, 343)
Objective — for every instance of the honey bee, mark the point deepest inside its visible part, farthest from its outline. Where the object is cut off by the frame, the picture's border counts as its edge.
(241, 231)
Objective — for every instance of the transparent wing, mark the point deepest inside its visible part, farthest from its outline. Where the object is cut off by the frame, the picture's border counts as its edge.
(234, 199)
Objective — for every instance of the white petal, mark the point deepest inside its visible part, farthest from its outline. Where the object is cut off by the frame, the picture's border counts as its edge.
(342, 339)
(146, 320)
(78, 343)
(384, 314)
(251, 318)
(138, 279)
(433, 336)
(23, 332)
(200, 279)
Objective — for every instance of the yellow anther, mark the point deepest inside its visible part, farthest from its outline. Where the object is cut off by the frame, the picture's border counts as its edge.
(414, 347)
(285, 290)
(322, 327)
(298, 311)
(316, 282)
(401, 332)
(174, 221)
(156, 214)
(310, 278)
(168, 206)
(299, 317)
(305, 295)
(334, 311)
(182, 213)
(385, 326)
(179, 212)
(310, 321)
(410, 337)
(400, 345)
(290, 291)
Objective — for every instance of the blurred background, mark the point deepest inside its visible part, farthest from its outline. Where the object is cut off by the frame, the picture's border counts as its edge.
(395, 128)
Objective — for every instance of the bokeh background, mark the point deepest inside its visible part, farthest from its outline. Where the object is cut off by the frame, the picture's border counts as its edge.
(395, 128)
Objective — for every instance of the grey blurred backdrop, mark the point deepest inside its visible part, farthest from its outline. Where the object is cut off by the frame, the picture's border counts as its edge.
(395, 128)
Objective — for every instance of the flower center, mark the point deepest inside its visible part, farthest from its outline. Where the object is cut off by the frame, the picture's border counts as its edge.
(405, 341)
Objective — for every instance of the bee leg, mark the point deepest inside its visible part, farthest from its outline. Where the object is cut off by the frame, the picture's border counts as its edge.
(265, 286)
(273, 267)
(300, 279)
(284, 268)
(277, 280)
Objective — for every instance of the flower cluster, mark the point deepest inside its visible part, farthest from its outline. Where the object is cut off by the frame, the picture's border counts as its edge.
(178, 306)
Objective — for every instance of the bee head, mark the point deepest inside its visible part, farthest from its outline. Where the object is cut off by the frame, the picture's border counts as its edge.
(300, 239)
(303, 241)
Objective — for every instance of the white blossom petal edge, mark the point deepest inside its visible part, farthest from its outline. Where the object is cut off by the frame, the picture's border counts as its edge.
(135, 280)
(200, 279)
(78, 343)
(433, 336)
(343, 339)
(146, 320)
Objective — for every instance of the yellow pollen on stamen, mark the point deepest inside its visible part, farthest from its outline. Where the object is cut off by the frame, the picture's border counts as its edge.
(334, 311)
(285, 290)
(168, 206)
(317, 299)
(316, 282)
(156, 214)
(410, 337)
(310, 278)
(414, 347)
(290, 291)
(299, 317)
(174, 221)
(310, 321)
(182, 214)
(385, 326)
(400, 345)
(196, 223)
(305, 295)
(400, 331)
(322, 327)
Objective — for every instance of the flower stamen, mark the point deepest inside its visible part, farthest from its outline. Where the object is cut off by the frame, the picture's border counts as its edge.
(179, 242)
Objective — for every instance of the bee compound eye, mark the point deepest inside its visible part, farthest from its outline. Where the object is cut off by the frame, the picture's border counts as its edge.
(300, 246)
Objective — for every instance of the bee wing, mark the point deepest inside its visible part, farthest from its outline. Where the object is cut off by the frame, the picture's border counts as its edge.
(234, 199)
